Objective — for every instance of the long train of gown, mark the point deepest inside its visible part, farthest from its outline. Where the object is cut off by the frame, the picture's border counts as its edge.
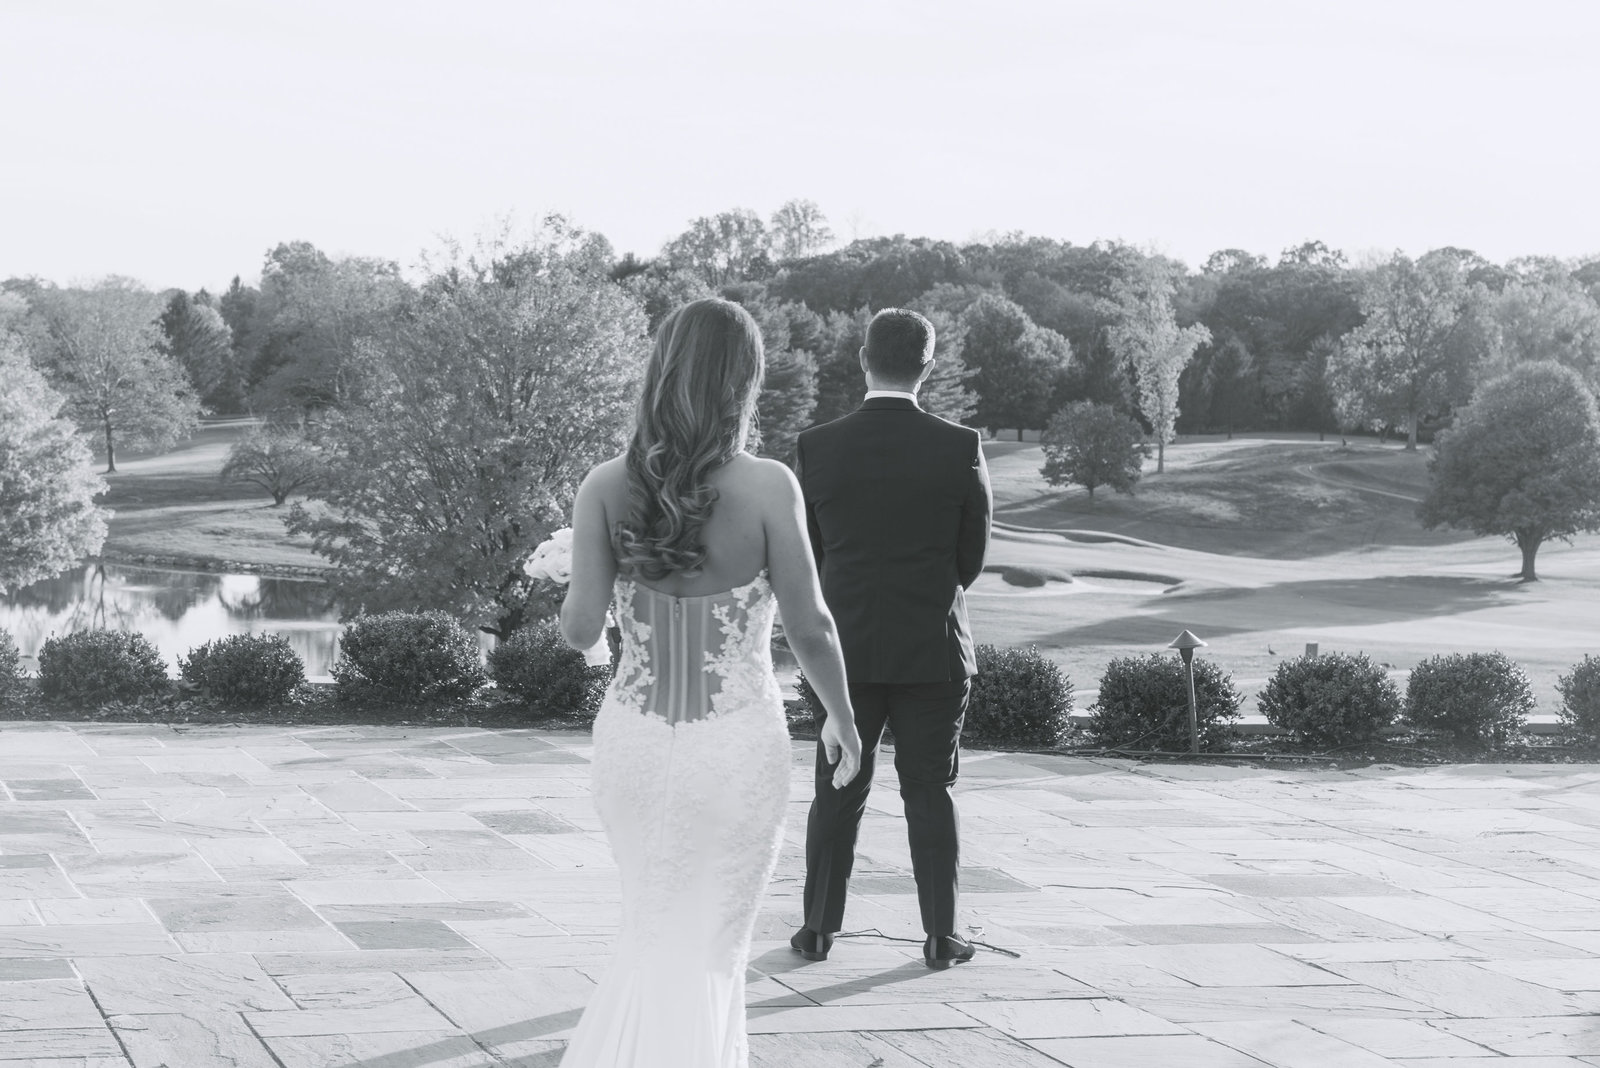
(691, 780)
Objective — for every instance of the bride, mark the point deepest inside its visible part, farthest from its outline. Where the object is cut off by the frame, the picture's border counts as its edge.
(698, 543)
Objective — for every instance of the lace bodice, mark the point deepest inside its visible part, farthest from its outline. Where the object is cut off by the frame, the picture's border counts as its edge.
(691, 658)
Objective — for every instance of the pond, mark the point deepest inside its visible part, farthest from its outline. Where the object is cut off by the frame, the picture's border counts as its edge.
(176, 610)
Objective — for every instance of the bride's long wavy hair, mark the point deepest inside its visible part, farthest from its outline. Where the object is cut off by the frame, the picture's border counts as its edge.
(695, 413)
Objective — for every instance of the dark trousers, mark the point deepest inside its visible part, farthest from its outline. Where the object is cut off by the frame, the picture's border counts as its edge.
(926, 721)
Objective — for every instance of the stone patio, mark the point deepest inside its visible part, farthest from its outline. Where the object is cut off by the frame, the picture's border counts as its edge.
(375, 897)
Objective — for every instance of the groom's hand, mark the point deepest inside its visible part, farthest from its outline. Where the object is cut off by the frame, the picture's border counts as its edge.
(841, 745)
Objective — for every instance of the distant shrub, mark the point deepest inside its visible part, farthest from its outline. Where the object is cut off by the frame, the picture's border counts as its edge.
(813, 704)
(1332, 699)
(537, 667)
(1144, 703)
(244, 669)
(10, 665)
(96, 666)
(1018, 696)
(1477, 697)
(408, 658)
(808, 697)
(1580, 701)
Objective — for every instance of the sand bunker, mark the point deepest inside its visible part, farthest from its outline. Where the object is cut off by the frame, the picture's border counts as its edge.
(1023, 581)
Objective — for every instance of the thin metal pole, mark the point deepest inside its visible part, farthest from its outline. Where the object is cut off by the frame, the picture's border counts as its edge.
(1194, 713)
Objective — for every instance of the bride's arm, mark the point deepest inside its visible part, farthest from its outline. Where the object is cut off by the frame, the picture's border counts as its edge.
(807, 623)
(594, 568)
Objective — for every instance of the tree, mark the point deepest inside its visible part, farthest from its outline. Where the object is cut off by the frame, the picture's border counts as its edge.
(947, 392)
(1233, 386)
(505, 378)
(1414, 355)
(195, 334)
(879, 272)
(660, 289)
(790, 334)
(48, 518)
(730, 246)
(1014, 363)
(1522, 460)
(311, 323)
(1228, 260)
(1311, 254)
(799, 229)
(1316, 400)
(1548, 319)
(104, 353)
(276, 458)
(1147, 338)
(1277, 313)
(1093, 445)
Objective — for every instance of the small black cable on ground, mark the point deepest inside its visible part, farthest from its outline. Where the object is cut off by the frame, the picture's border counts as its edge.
(873, 932)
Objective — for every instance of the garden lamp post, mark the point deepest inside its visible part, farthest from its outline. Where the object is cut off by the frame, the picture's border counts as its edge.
(1186, 643)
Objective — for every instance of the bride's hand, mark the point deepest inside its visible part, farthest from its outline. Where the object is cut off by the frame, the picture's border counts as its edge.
(842, 746)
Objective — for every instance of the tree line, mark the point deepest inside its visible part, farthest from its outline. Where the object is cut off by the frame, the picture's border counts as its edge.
(438, 422)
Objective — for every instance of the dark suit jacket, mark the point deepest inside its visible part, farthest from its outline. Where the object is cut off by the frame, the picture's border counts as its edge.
(897, 504)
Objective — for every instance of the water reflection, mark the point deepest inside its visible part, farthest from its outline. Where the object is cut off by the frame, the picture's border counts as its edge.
(176, 610)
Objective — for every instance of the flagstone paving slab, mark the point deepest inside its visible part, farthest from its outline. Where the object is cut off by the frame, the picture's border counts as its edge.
(60, 1042)
(171, 1039)
(1145, 1051)
(384, 896)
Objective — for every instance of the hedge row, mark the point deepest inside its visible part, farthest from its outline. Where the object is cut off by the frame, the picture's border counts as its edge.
(1018, 696)
(393, 658)
(1331, 700)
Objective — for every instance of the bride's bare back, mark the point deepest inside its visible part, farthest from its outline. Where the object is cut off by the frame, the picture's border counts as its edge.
(734, 536)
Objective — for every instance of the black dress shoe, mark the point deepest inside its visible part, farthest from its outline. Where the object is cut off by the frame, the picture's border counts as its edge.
(944, 950)
(811, 945)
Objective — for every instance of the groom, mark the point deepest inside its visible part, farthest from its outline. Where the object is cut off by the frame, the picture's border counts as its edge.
(897, 503)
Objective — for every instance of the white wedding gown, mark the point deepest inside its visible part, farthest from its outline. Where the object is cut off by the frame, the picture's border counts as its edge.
(691, 780)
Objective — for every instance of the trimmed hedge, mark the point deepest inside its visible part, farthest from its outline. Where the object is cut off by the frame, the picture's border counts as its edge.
(409, 658)
(1144, 704)
(244, 669)
(1580, 701)
(538, 667)
(10, 665)
(1480, 698)
(99, 666)
(1332, 699)
(1018, 696)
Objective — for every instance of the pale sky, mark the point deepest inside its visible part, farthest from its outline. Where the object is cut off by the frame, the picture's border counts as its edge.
(176, 142)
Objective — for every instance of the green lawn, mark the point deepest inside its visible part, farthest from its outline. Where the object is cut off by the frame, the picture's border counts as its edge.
(173, 505)
(1277, 542)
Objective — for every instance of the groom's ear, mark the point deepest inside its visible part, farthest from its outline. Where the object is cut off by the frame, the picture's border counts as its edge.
(862, 358)
(927, 370)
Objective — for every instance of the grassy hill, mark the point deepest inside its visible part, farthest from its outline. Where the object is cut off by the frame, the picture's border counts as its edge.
(1260, 546)
(173, 505)
(1287, 498)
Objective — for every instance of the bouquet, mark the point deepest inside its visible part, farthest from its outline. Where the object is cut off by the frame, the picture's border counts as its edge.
(552, 562)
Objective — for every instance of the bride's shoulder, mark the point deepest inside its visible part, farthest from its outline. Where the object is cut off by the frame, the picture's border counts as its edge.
(766, 480)
(607, 479)
(759, 471)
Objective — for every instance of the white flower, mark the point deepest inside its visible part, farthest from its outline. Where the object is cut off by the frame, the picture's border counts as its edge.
(598, 654)
(552, 560)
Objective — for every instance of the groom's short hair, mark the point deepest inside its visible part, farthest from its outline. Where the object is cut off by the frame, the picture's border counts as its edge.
(899, 345)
